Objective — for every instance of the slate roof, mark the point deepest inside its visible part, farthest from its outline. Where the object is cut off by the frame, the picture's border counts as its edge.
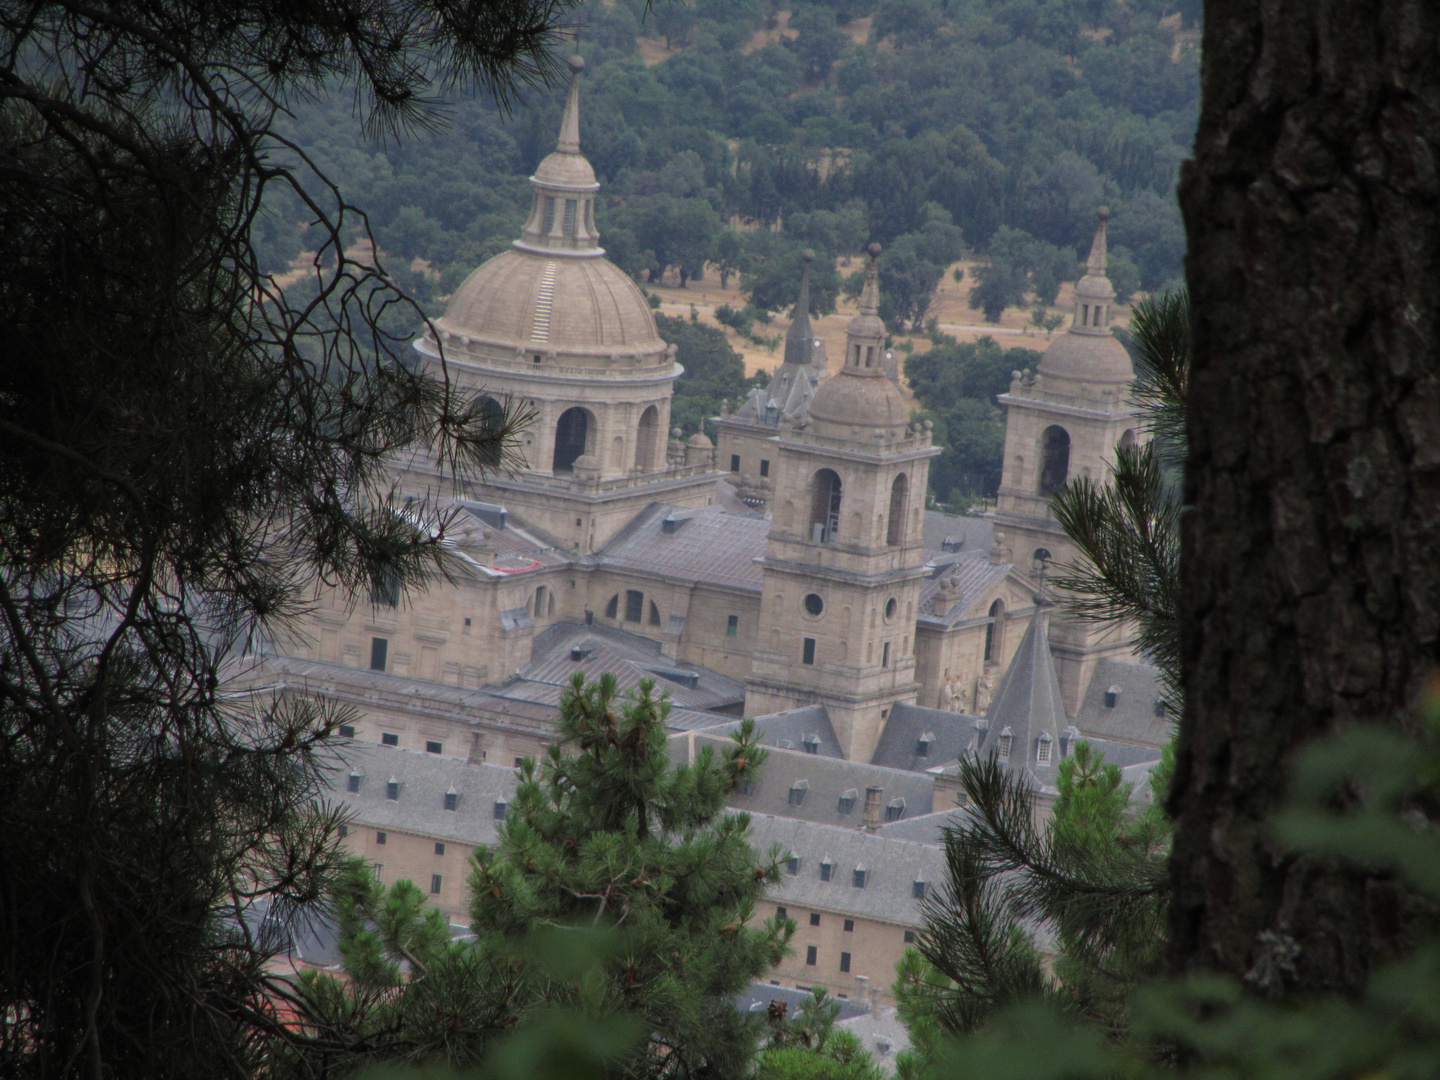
(496, 545)
(899, 746)
(424, 780)
(565, 648)
(1133, 718)
(1027, 709)
(974, 573)
(891, 869)
(964, 534)
(707, 545)
(824, 784)
(794, 729)
(927, 828)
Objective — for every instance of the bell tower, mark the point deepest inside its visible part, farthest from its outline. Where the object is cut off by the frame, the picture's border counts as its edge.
(844, 563)
(1064, 422)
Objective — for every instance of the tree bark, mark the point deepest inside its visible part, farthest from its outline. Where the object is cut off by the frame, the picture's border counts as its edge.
(1311, 557)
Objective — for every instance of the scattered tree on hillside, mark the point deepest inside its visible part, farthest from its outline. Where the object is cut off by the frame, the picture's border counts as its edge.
(713, 372)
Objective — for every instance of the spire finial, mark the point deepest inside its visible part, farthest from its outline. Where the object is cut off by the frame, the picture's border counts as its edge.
(1096, 263)
(870, 295)
(569, 141)
(799, 339)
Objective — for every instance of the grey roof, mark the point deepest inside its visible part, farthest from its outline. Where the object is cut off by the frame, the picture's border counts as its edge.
(955, 532)
(825, 782)
(1133, 718)
(707, 545)
(727, 500)
(757, 996)
(927, 828)
(947, 734)
(1027, 709)
(891, 869)
(424, 780)
(970, 575)
(795, 729)
(566, 648)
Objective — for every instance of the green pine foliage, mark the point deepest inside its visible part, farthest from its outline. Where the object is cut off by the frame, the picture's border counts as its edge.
(807, 1046)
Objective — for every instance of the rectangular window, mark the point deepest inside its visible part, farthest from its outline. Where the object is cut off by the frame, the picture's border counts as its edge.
(379, 649)
(392, 790)
(344, 831)
(734, 462)
(498, 812)
(547, 221)
(807, 651)
(435, 885)
(918, 890)
(732, 626)
(797, 795)
(764, 466)
(389, 738)
(909, 937)
(634, 605)
(347, 731)
(859, 881)
(844, 961)
(432, 747)
(353, 784)
(380, 838)
(885, 655)
(811, 955)
(793, 866)
(826, 869)
(379, 869)
(439, 848)
(849, 926)
(452, 800)
(780, 912)
(1042, 752)
(385, 592)
(519, 761)
(568, 225)
(814, 918)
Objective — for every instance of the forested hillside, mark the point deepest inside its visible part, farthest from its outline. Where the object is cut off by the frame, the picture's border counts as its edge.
(846, 122)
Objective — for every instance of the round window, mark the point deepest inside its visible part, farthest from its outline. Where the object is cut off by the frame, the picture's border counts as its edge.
(813, 604)
(890, 606)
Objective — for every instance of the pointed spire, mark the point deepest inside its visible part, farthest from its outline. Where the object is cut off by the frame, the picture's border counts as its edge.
(800, 338)
(870, 295)
(569, 141)
(1095, 265)
(1028, 702)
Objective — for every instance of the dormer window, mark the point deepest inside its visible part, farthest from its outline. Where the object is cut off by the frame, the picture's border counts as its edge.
(922, 745)
(1042, 749)
(896, 810)
(392, 790)
(847, 800)
(797, 792)
(352, 783)
(1112, 697)
(792, 867)
(827, 869)
(1007, 741)
(499, 810)
(1068, 738)
(917, 891)
(812, 743)
(861, 875)
(452, 800)
(1161, 709)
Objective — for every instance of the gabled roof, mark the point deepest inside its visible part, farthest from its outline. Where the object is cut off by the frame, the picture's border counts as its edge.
(954, 533)
(832, 789)
(1133, 717)
(891, 869)
(422, 782)
(947, 734)
(794, 729)
(970, 576)
(703, 544)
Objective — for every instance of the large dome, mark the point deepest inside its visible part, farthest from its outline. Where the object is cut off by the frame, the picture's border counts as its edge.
(1098, 358)
(523, 299)
(848, 400)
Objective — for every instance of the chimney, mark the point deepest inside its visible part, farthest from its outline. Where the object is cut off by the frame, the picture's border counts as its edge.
(872, 805)
(862, 990)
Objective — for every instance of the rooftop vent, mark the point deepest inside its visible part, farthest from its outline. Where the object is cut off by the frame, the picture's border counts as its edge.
(492, 514)
(953, 542)
(688, 679)
(579, 652)
(674, 521)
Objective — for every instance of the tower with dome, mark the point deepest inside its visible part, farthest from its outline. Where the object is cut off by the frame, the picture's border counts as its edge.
(557, 330)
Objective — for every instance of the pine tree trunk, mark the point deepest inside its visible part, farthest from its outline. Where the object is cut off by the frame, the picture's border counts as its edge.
(1312, 556)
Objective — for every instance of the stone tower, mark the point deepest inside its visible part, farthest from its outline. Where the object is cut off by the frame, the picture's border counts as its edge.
(843, 566)
(1064, 422)
(556, 328)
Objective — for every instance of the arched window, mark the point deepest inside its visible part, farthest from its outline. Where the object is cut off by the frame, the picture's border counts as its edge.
(995, 632)
(613, 607)
(825, 506)
(899, 496)
(1127, 440)
(646, 436)
(572, 433)
(1054, 458)
(492, 419)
